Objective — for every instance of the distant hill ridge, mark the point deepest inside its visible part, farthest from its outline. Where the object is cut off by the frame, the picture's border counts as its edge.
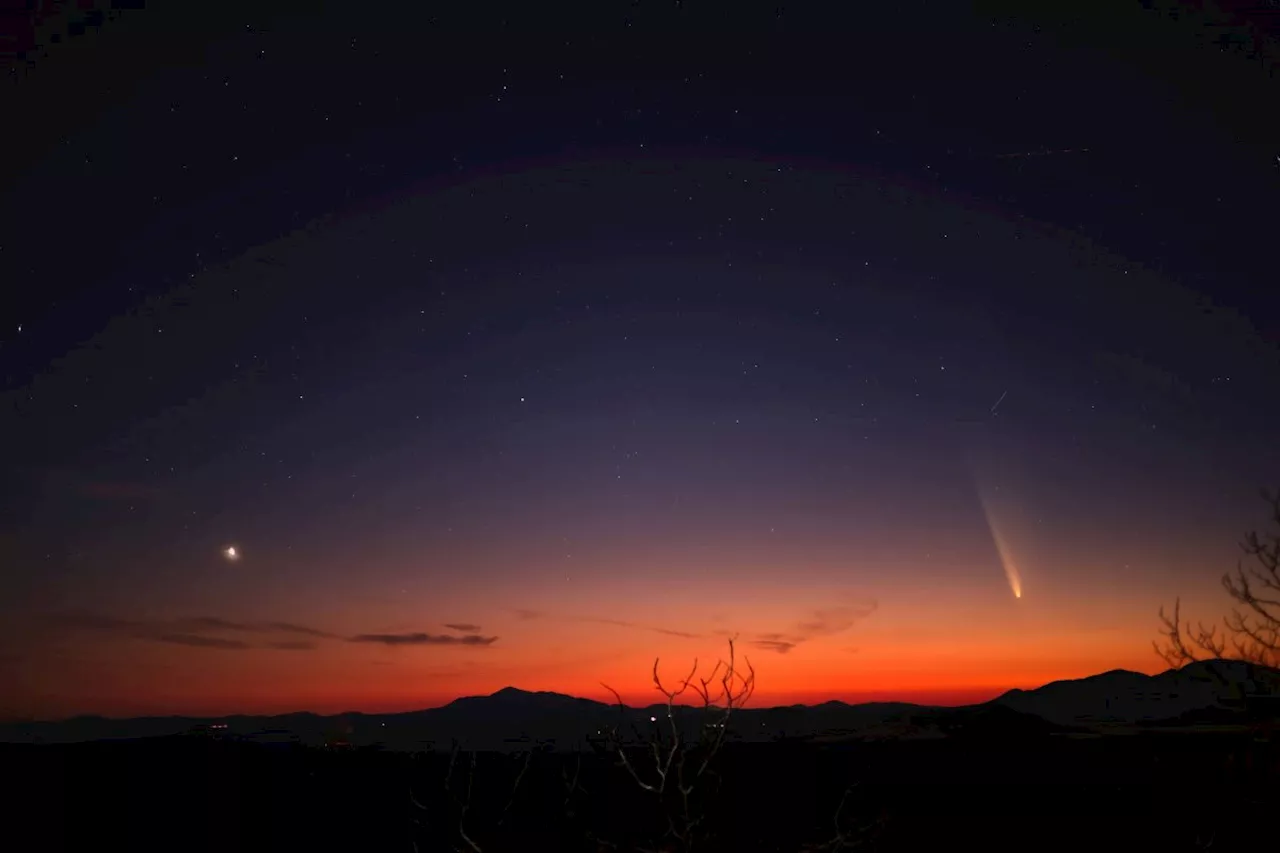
(1123, 696)
(1221, 689)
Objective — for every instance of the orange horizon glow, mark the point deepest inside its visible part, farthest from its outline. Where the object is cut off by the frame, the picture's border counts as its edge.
(960, 639)
(956, 640)
(897, 658)
(488, 539)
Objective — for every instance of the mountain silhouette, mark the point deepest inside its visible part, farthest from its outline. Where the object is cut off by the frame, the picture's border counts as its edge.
(1220, 687)
(512, 718)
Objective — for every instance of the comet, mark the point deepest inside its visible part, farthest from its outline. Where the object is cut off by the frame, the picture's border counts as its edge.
(1007, 562)
(1006, 559)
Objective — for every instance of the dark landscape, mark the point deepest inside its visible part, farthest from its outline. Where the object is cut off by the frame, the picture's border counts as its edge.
(396, 398)
(1105, 761)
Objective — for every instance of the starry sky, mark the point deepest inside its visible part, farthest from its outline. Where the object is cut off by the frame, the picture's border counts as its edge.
(366, 361)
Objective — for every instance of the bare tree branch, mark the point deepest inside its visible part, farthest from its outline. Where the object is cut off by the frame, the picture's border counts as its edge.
(515, 786)
(463, 805)
(845, 837)
(1252, 628)
(677, 766)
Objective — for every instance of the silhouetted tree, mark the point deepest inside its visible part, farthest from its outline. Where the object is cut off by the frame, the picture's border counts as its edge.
(674, 768)
(1251, 631)
(460, 798)
(849, 835)
(460, 801)
(673, 764)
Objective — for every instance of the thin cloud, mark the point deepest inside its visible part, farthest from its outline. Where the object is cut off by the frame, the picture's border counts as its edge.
(419, 639)
(529, 615)
(670, 632)
(823, 622)
(202, 642)
(291, 628)
(779, 646)
(195, 631)
(836, 619)
(213, 623)
(463, 627)
(216, 623)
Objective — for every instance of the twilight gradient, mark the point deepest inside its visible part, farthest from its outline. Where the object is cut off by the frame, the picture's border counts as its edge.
(356, 366)
(594, 485)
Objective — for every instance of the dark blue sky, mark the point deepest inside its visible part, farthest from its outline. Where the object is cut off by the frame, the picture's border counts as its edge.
(450, 310)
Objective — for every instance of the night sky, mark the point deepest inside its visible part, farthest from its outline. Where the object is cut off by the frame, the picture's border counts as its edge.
(362, 360)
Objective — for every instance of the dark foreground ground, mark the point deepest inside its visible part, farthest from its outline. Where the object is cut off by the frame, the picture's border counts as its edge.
(1165, 792)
